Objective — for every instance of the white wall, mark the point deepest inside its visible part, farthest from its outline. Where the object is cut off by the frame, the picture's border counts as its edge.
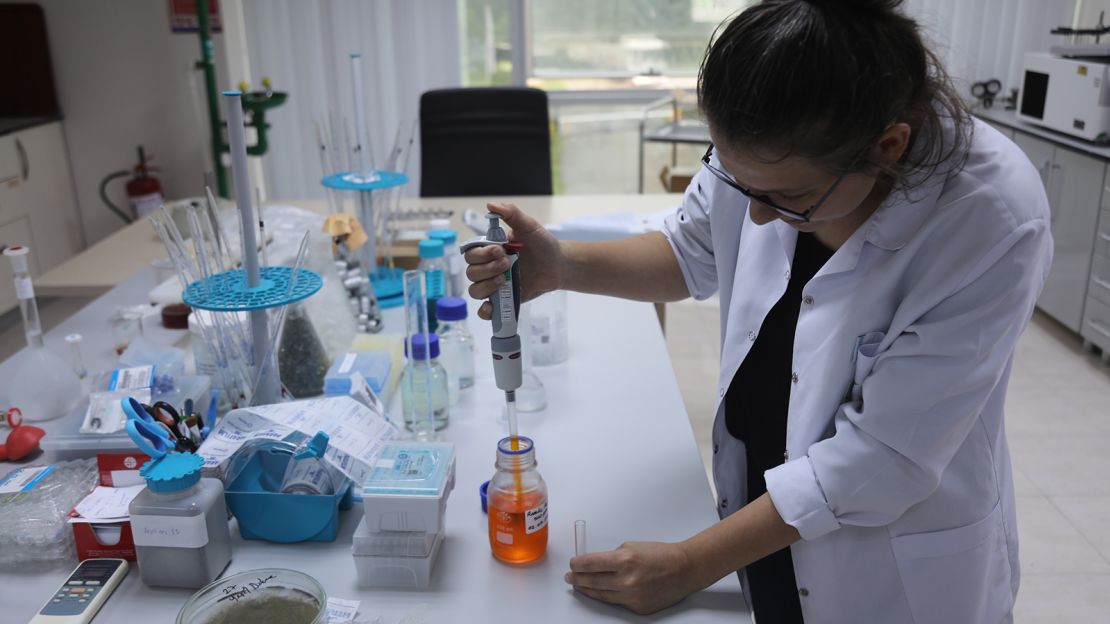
(121, 77)
(408, 47)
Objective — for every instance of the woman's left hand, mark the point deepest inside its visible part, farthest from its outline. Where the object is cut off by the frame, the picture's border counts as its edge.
(642, 576)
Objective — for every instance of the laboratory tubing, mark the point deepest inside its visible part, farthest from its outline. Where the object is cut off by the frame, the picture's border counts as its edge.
(413, 286)
(434, 266)
(517, 504)
(179, 522)
(456, 345)
(580, 538)
(44, 385)
(456, 264)
(424, 383)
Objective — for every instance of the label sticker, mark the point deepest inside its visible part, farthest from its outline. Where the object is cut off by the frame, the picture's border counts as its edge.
(504, 538)
(133, 378)
(24, 479)
(347, 363)
(170, 531)
(24, 289)
(535, 519)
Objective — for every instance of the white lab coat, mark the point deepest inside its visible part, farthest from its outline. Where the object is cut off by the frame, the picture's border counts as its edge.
(898, 474)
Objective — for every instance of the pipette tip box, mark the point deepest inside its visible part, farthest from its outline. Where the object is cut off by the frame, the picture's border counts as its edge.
(394, 560)
(407, 489)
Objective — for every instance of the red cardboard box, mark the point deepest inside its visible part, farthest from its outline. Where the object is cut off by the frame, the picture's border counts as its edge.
(116, 470)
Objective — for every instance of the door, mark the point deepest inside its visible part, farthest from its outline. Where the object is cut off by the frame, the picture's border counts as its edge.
(1075, 191)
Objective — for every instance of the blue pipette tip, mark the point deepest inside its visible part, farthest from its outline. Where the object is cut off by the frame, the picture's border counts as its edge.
(233, 93)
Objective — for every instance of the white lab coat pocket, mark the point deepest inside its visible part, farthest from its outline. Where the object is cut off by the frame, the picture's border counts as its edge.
(866, 350)
(957, 576)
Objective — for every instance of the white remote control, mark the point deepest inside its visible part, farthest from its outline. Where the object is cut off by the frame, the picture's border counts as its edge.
(83, 593)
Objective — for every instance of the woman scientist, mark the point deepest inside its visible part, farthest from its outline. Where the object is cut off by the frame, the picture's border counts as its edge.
(877, 254)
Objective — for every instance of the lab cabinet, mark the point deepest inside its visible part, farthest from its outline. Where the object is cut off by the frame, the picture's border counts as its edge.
(1007, 132)
(1096, 313)
(1074, 184)
(38, 207)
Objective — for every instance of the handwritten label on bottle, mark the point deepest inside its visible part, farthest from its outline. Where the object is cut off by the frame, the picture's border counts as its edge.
(170, 531)
(535, 518)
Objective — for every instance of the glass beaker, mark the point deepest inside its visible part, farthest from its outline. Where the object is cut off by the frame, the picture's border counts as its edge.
(547, 328)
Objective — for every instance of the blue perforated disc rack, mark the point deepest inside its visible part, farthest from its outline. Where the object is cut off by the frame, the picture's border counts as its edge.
(350, 181)
(228, 291)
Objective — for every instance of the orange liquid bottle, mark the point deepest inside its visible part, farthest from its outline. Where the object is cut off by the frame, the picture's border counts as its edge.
(517, 504)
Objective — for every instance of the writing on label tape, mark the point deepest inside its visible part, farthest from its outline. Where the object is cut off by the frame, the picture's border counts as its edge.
(535, 518)
(24, 289)
(170, 531)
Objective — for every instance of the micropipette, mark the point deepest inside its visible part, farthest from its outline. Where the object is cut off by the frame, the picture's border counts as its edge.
(505, 343)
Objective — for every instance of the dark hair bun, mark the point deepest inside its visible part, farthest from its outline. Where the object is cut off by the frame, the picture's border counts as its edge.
(821, 79)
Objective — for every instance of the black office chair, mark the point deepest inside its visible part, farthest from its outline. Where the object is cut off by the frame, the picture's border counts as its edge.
(486, 141)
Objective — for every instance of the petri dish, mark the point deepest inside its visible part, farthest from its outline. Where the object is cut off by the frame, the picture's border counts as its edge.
(265, 595)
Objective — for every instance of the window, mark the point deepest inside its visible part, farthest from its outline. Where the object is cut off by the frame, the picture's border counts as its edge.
(590, 44)
(586, 44)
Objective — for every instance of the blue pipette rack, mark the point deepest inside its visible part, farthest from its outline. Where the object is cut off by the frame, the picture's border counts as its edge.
(228, 291)
(349, 181)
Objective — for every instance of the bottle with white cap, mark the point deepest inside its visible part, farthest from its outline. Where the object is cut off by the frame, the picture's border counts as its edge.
(456, 265)
(44, 385)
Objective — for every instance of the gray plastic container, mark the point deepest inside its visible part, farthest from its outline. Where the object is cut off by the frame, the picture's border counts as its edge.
(188, 517)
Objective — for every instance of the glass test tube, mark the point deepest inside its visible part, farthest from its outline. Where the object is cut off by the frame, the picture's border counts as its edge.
(416, 322)
(74, 342)
(580, 538)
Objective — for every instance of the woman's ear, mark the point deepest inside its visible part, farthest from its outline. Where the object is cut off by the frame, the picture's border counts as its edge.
(893, 142)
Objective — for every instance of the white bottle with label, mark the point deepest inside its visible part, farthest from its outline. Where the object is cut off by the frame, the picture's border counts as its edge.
(179, 522)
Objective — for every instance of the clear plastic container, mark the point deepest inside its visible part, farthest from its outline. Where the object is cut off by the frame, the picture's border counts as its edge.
(517, 504)
(394, 560)
(264, 596)
(456, 345)
(33, 527)
(547, 328)
(424, 385)
(179, 523)
(408, 488)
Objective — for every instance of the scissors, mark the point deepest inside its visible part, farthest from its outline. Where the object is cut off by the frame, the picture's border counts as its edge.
(153, 419)
(151, 436)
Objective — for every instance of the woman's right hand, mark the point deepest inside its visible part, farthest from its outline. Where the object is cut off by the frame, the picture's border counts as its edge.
(542, 264)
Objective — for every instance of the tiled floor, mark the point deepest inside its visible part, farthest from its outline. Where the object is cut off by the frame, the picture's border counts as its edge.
(1058, 424)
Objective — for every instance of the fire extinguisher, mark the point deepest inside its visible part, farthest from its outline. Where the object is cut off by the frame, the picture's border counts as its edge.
(144, 191)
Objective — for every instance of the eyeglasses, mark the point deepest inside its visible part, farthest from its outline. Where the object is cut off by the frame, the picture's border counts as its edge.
(763, 199)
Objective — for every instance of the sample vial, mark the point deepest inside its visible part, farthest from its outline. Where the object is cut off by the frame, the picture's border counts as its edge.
(179, 522)
(580, 538)
(517, 504)
(456, 345)
(424, 384)
(456, 265)
(74, 342)
(434, 266)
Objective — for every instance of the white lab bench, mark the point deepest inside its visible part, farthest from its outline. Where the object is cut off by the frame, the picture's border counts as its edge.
(613, 444)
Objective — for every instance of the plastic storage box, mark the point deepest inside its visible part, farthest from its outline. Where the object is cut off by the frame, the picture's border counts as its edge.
(394, 560)
(374, 366)
(408, 488)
